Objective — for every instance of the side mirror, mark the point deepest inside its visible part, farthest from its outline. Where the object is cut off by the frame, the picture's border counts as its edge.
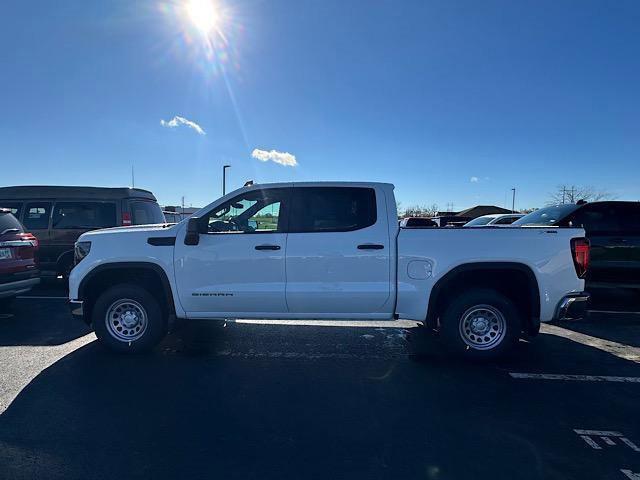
(193, 231)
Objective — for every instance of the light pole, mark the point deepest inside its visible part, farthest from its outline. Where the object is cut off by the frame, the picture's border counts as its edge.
(513, 201)
(224, 179)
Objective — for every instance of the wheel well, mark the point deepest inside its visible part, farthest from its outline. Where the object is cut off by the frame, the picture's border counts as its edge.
(515, 281)
(152, 278)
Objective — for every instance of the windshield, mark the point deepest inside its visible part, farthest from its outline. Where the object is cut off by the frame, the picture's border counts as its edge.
(476, 222)
(546, 217)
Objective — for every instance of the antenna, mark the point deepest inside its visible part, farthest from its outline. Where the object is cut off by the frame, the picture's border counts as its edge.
(133, 178)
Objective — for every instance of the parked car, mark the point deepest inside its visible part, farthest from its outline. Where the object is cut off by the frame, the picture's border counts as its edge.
(18, 268)
(417, 222)
(498, 219)
(58, 215)
(613, 228)
(328, 251)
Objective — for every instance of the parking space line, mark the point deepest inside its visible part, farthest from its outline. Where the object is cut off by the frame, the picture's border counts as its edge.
(38, 297)
(620, 350)
(580, 378)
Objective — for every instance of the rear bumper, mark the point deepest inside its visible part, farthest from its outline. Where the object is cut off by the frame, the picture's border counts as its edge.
(11, 289)
(573, 306)
(76, 308)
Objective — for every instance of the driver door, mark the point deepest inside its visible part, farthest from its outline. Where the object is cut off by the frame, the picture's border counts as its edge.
(238, 267)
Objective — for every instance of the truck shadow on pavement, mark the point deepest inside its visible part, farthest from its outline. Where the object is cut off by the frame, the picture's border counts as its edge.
(35, 322)
(256, 401)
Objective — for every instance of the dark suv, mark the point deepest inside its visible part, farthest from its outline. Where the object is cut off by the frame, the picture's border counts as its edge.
(18, 268)
(613, 228)
(57, 216)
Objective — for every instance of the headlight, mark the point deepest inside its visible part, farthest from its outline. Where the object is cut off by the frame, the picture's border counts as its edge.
(80, 251)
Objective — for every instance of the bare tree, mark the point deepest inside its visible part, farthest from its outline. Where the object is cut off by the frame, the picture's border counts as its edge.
(421, 211)
(572, 193)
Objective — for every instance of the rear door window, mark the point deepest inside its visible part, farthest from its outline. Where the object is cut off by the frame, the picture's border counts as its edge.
(602, 219)
(83, 215)
(36, 215)
(630, 220)
(506, 221)
(146, 213)
(15, 207)
(332, 209)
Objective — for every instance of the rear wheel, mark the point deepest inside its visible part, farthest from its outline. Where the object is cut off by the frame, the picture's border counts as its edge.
(481, 324)
(127, 318)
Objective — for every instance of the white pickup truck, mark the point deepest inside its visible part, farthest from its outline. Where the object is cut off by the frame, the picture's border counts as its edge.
(326, 251)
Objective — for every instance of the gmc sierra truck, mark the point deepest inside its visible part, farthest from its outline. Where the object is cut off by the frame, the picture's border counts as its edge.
(326, 251)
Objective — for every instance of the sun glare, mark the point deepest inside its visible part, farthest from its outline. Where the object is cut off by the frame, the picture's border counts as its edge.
(203, 14)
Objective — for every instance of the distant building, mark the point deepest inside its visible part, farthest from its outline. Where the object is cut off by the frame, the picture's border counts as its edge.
(457, 219)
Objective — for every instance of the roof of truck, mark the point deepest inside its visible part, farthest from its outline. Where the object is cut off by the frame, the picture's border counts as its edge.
(60, 191)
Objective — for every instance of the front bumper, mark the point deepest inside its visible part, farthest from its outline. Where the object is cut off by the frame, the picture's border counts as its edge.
(572, 306)
(12, 289)
(76, 309)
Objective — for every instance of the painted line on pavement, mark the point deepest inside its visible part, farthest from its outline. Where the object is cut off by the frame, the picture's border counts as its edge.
(579, 378)
(620, 350)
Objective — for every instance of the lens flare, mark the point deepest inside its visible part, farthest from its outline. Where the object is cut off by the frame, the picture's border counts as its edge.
(203, 14)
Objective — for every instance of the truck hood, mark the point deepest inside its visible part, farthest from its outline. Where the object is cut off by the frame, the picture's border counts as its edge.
(166, 228)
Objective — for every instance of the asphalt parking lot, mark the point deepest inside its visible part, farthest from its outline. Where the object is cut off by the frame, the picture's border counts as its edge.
(272, 400)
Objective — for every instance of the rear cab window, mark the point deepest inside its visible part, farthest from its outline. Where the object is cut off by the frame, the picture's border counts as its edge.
(83, 215)
(145, 212)
(332, 209)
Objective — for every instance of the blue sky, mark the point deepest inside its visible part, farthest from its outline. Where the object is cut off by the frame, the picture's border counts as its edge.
(424, 94)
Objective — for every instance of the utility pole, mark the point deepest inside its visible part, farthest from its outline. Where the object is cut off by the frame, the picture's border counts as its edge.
(133, 178)
(513, 200)
(224, 179)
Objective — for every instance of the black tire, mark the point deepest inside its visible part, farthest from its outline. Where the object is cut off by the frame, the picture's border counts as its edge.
(143, 305)
(496, 331)
(65, 266)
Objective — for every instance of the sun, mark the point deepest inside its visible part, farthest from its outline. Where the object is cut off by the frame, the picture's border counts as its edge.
(203, 14)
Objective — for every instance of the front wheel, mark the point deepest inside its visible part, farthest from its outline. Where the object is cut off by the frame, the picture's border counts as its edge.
(481, 324)
(127, 318)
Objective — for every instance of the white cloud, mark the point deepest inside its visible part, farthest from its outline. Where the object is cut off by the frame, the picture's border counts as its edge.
(283, 158)
(474, 179)
(177, 121)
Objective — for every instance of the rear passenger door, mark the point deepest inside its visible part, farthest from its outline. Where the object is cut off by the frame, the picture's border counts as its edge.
(338, 253)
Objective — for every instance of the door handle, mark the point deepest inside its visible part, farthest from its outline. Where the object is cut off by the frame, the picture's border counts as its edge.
(267, 247)
(370, 246)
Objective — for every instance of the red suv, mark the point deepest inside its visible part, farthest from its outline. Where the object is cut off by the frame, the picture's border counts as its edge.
(18, 266)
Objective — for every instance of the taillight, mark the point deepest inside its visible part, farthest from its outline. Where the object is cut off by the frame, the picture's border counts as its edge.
(126, 218)
(31, 238)
(580, 252)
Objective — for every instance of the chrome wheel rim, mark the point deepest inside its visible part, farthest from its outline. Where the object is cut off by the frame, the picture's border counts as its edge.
(483, 327)
(126, 320)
